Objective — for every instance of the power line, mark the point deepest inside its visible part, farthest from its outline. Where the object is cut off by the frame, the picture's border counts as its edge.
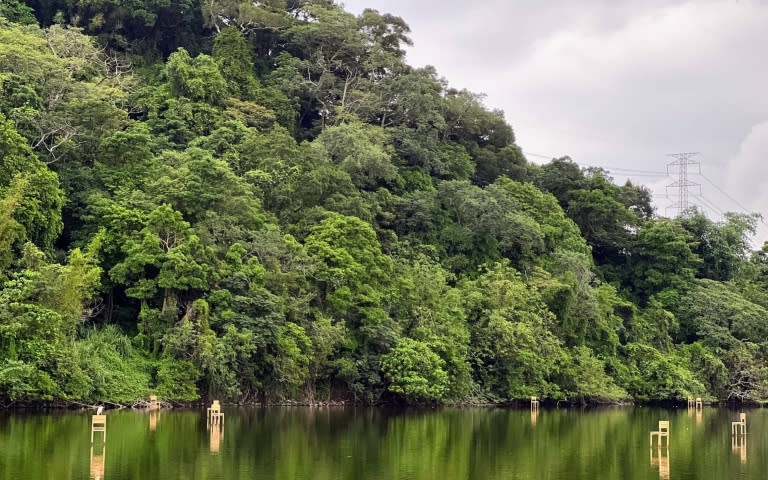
(738, 204)
(548, 157)
(607, 168)
(632, 174)
(706, 203)
(717, 211)
(657, 172)
(714, 208)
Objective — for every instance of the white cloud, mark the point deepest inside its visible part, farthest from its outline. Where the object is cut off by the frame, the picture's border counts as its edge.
(748, 175)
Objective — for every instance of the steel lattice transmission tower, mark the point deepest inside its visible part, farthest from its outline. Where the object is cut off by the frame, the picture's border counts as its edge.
(682, 184)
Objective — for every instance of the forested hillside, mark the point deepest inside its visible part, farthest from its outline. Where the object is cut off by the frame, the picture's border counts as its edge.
(264, 202)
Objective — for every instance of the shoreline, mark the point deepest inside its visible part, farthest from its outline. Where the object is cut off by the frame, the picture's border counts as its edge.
(514, 405)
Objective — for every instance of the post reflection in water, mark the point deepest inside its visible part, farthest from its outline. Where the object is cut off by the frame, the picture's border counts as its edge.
(661, 460)
(698, 415)
(153, 416)
(97, 463)
(739, 446)
(216, 431)
(534, 416)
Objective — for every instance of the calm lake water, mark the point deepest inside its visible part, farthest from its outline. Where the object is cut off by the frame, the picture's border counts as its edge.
(371, 444)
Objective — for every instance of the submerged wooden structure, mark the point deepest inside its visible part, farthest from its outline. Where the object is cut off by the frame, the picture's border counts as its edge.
(99, 424)
(534, 403)
(214, 414)
(740, 427)
(663, 432)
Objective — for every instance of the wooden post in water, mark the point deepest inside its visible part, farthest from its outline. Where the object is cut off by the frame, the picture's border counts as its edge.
(661, 433)
(698, 403)
(690, 402)
(153, 403)
(215, 415)
(740, 427)
(534, 403)
(99, 424)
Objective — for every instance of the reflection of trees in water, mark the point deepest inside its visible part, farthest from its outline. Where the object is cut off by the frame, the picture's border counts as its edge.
(376, 444)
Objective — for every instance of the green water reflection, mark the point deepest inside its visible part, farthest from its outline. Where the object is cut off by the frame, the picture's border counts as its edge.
(335, 443)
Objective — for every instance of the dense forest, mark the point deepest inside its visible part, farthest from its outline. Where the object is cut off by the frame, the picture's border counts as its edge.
(263, 202)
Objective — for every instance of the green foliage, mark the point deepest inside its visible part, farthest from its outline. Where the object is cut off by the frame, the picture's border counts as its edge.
(560, 232)
(21, 381)
(162, 255)
(589, 379)
(723, 247)
(293, 358)
(177, 379)
(11, 230)
(431, 311)
(38, 208)
(358, 150)
(41, 308)
(662, 263)
(719, 316)
(516, 355)
(233, 57)
(415, 371)
(266, 15)
(197, 79)
(118, 372)
(652, 375)
(17, 12)
(352, 266)
(284, 209)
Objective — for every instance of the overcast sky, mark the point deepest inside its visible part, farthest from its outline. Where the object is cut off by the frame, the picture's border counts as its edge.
(616, 84)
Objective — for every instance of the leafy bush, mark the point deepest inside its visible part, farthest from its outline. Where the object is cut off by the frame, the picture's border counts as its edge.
(415, 371)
